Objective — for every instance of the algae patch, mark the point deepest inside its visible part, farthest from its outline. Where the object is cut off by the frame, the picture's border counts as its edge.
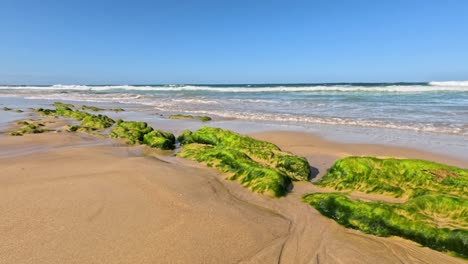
(13, 110)
(29, 128)
(434, 215)
(140, 133)
(91, 108)
(258, 165)
(189, 117)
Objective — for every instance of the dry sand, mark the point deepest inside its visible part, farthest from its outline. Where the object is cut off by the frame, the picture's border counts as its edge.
(67, 198)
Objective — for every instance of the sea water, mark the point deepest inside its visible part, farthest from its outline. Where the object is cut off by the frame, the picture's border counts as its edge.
(408, 109)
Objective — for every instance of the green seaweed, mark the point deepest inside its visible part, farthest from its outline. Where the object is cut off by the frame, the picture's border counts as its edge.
(187, 117)
(62, 105)
(97, 122)
(258, 165)
(91, 108)
(46, 112)
(29, 128)
(11, 109)
(132, 131)
(295, 167)
(140, 133)
(395, 177)
(241, 167)
(414, 220)
(117, 109)
(434, 215)
(93, 122)
(159, 139)
(73, 128)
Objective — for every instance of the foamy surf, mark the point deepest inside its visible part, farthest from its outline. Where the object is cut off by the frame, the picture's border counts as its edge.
(384, 87)
(436, 107)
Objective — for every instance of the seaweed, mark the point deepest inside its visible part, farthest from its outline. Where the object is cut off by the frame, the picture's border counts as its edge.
(412, 220)
(29, 128)
(435, 213)
(258, 165)
(395, 177)
(159, 139)
(62, 105)
(91, 108)
(188, 117)
(140, 133)
(97, 121)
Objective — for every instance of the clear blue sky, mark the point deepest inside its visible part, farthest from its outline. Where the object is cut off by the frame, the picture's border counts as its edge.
(141, 42)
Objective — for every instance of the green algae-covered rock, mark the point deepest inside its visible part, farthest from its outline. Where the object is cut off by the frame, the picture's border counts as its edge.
(132, 131)
(46, 112)
(73, 128)
(91, 108)
(68, 112)
(117, 109)
(435, 213)
(436, 221)
(188, 117)
(258, 165)
(140, 133)
(295, 167)
(241, 167)
(395, 177)
(159, 139)
(97, 121)
(62, 105)
(11, 109)
(29, 128)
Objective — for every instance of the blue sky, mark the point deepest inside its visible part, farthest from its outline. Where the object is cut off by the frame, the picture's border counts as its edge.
(144, 42)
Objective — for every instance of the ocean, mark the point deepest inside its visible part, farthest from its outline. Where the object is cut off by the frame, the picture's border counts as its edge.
(434, 107)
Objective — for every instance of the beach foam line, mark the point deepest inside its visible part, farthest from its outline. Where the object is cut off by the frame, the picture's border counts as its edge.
(431, 87)
(450, 83)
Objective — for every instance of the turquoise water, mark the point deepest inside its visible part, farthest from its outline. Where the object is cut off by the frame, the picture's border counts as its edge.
(436, 107)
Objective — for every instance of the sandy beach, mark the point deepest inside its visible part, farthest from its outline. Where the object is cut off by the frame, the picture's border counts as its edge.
(74, 198)
(253, 132)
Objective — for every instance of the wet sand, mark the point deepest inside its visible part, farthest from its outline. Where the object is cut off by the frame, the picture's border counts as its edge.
(73, 198)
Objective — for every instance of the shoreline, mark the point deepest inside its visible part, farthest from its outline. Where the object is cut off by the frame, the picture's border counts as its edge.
(443, 144)
(78, 169)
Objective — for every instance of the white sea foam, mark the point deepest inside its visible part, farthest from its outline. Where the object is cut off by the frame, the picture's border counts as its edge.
(450, 83)
(433, 86)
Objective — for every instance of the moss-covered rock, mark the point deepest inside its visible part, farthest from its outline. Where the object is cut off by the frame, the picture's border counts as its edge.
(132, 131)
(140, 133)
(241, 168)
(62, 105)
(395, 177)
(159, 139)
(117, 109)
(97, 121)
(24, 123)
(91, 108)
(187, 117)
(73, 128)
(68, 112)
(258, 165)
(29, 128)
(417, 219)
(11, 109)
(435, 214)
(295, 167)
(46, 112)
